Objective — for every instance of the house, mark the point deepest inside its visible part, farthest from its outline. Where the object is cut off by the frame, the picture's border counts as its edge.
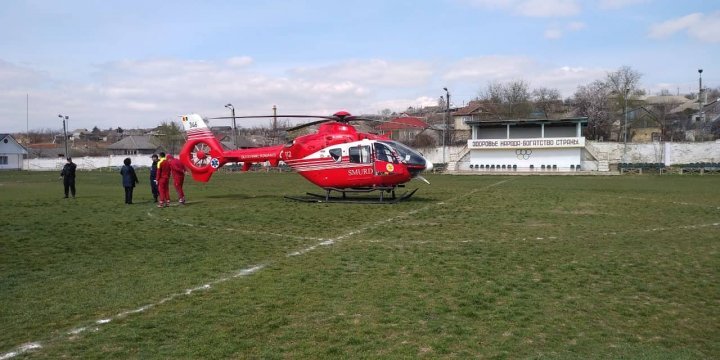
(474, 111)
(11, 153)
(133, 145)
(46, 150)
(78, 134)
(404, 129)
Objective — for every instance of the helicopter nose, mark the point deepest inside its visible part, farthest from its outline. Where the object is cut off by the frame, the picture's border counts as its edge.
(428, 165)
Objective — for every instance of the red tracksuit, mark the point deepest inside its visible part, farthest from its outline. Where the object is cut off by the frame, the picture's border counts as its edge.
(163, 179)
(178, 175)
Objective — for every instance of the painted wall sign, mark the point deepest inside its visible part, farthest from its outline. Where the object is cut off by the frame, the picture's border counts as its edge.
(569, 142)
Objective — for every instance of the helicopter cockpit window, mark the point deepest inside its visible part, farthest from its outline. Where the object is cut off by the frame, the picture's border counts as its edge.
(360, 154)
(336, 154)
(383, 153)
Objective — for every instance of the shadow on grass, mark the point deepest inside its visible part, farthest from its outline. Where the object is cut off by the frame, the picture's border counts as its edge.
(242, 196)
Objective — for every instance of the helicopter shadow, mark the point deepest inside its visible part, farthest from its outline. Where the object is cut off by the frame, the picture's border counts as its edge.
(241, 196)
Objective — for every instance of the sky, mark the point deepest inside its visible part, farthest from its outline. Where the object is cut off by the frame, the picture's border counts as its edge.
(138, 63)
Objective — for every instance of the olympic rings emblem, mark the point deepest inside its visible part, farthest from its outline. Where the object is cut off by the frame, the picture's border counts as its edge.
(215, 163)
(523, 154)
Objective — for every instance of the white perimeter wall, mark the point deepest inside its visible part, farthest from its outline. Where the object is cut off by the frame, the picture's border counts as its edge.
(668, 153)
(87, 163)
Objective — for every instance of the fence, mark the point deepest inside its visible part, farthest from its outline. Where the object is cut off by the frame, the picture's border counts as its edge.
(667, 153)
(86, 162)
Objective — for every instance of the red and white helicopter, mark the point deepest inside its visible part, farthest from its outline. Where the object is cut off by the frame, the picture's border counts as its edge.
(336, 158)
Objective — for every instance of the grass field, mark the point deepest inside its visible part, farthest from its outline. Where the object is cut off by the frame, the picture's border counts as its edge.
(470, 267)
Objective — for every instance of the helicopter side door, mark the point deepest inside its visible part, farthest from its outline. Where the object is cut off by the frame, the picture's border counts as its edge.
(361, 173)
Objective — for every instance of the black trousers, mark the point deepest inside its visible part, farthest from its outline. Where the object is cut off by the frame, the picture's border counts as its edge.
(69, 186)
(154, 189)
(128, 194)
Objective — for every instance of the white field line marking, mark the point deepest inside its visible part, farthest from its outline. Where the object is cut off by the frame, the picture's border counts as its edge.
(683, 227)
(244, 272)
(21, 350)
(682, 203)
(395, 218)
(80, 329)
(253, 232)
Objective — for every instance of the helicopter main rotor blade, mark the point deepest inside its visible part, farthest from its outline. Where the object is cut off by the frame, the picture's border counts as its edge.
(301, 126)
(274, 116)
(394, 122)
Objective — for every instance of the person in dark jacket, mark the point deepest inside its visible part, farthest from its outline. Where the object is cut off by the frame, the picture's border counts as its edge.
(153, 177)
(129, 179)
(68, 176)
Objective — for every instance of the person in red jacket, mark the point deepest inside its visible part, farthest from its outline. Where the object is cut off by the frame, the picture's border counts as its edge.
(178, 174)
(163, 180)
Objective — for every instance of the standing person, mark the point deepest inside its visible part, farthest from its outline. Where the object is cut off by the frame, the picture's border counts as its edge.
(178, 174)
(163, 181)
(68, 175)
(129, 179)
(153, 177)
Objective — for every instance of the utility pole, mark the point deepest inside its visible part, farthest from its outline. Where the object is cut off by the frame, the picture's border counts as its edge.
(274, 119)
(627, 90)
(446, 120)
(66, 122)
(701, 100)
(234, 126)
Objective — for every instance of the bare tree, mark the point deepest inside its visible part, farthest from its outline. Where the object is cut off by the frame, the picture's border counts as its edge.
(664, 118)
(713, 94)
(547, 100)
(623, 78)
(493, 93)
(513, 98)
(593, 101)
(517, 96)
(42, 136)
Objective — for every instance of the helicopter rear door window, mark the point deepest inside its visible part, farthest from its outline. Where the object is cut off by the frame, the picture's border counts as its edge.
(360, 154)
(336, 154)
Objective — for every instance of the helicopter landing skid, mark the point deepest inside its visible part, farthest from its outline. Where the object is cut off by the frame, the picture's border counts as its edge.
(317, 198)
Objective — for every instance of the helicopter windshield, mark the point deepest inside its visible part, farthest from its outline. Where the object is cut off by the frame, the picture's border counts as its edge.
(406, 154)
(385, 153)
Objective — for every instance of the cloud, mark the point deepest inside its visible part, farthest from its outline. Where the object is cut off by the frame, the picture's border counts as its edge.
(576, 26)
(556, 32)
(702, 27)
(531, 8)
(12, 75)
(399, 105)
(487, 69)
(548, 8)
(240, 61)
(619, 4)
(553, 34)
(372, 72)
(143, 93)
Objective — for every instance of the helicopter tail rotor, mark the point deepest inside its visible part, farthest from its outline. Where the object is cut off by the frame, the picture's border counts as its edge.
(202, 154)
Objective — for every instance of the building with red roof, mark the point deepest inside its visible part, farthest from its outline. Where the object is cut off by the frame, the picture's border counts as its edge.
(404, 129)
